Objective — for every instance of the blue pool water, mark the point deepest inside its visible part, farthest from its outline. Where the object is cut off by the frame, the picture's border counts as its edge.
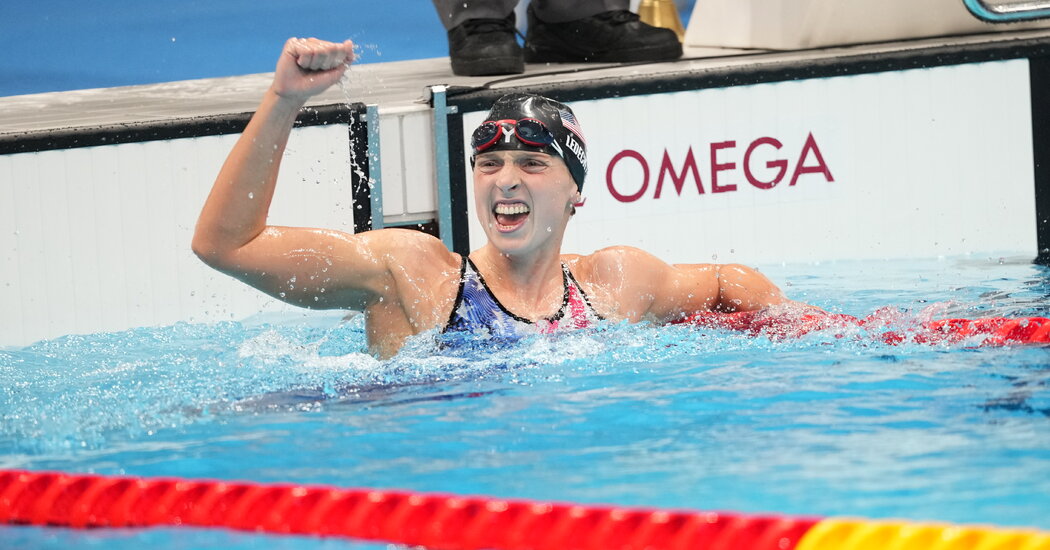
(671, 417)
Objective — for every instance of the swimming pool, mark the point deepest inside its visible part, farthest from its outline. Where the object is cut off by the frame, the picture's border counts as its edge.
(670, 417)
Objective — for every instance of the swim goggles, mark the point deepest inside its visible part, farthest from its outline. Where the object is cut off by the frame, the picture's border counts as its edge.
(528, 131)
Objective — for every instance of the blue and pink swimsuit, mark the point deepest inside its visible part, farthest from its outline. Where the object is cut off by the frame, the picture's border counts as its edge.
(477, 309)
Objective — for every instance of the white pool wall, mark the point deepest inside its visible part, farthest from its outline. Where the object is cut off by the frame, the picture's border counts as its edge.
(923, 163)
(98, 238)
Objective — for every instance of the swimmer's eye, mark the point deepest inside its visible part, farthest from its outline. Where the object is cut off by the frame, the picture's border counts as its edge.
(487, 165)
(534, 165)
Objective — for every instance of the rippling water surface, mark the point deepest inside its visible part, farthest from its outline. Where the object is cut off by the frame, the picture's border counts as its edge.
(672, 417)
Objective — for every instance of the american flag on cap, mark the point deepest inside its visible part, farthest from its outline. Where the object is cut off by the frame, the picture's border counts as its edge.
(569, 122)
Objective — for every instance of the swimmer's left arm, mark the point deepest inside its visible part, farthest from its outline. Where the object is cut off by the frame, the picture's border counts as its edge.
(742, 288)
(634, 285)
(641, 286)
(688, 289)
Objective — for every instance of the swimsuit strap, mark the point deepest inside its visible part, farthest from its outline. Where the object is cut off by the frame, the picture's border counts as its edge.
(581, 312)
(459, 293)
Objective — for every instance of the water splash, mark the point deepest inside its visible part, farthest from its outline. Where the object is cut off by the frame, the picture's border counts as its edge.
(82, 392)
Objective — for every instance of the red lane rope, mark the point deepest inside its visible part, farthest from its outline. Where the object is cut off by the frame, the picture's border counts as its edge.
(993, 331)
(430, 520)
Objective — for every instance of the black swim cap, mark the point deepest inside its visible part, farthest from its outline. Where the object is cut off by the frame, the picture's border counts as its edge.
(558, 118)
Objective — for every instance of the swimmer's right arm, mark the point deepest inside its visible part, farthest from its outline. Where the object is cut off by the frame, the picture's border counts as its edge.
(309, 267)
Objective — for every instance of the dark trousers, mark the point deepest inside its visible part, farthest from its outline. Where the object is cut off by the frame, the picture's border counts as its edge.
(455, 12)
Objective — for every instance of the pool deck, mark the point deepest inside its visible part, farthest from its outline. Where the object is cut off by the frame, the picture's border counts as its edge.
(401, 85)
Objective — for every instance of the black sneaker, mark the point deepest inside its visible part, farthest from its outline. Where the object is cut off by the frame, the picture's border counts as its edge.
(612, 36)
(485, 47)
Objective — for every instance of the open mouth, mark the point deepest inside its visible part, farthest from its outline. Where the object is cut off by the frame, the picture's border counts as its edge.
(510, 215)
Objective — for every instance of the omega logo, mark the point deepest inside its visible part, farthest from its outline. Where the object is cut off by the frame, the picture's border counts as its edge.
(809, 161)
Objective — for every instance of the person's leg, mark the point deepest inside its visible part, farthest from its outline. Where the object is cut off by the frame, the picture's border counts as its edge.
(481, 36)
(594, 30)
(454, 13)
(561, 11)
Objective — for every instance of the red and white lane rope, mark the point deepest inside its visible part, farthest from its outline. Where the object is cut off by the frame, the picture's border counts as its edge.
(455, 522)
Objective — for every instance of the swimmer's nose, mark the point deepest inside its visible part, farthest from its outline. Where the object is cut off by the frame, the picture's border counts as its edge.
(507, 180)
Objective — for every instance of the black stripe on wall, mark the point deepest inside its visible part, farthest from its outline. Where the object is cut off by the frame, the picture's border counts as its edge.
(1039, 73)
(359, 174)
(458, 186)
(160, 130)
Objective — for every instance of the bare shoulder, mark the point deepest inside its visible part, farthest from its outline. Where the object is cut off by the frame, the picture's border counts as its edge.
(619, 280)
(613, 261)
(407, 247)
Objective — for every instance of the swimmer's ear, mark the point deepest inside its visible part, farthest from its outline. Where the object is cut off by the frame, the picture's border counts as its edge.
(577, 200)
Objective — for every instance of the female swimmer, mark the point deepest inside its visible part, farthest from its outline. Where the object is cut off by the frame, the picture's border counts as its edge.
(529, 164)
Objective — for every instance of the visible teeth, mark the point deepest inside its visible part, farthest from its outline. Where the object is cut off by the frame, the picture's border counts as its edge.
(511, 209)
